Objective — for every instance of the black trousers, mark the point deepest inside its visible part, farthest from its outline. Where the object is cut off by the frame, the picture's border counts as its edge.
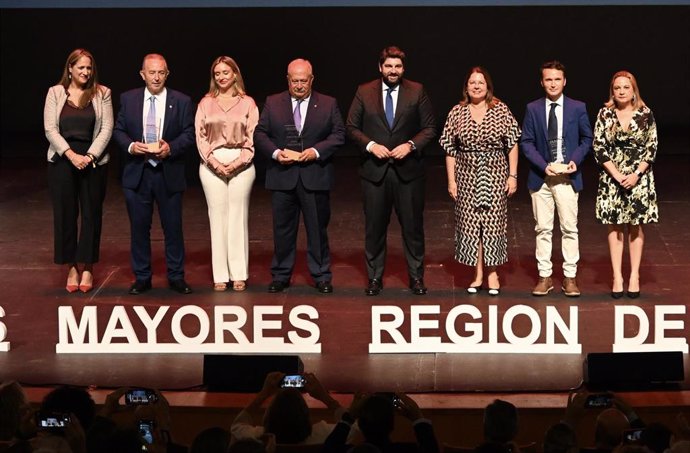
(407, 197)
(76, 195)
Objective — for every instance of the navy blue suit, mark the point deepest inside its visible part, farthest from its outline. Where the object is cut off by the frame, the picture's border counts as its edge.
(577, 140)
(300, 186)
(143, 184)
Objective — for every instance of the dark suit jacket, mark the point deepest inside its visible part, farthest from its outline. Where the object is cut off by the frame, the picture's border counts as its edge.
(323, 129)
(577, 140)
(178, 132)
(414, 120)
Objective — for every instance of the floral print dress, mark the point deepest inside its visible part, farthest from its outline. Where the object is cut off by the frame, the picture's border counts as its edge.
(626, 149)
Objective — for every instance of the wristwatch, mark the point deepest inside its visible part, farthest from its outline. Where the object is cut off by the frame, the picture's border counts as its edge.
(638, 173)
(412, 145)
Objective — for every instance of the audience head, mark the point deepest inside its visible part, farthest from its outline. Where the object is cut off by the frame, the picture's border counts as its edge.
(364, 447)
(13, 406)
(376, 418)
(211, 440)
(71, 400)
(248, 445)
(631, 448)
(657, 437)
(225, 74)
(500, 422)
(610, 426)
(287, 417)
(560, 438)
(492, 447)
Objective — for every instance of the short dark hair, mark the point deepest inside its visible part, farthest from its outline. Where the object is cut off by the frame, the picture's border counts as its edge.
(560, 438)
(69, 399)
(553, 64)
(500, 422)
(287, 417)
(376, 418)
(391, 52)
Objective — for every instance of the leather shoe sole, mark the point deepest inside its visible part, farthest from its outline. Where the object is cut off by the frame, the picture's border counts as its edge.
(139, 287)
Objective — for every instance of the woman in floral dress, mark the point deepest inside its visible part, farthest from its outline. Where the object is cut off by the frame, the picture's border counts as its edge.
(625, 144)
(480, 139)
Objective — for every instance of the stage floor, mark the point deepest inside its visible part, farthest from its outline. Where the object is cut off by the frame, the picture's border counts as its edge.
(33, 288)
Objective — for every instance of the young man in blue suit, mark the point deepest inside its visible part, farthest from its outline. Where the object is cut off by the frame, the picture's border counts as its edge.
(299, 130)
(556, 137)
(154, 129)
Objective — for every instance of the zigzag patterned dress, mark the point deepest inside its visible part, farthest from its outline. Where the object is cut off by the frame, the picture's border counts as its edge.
(481, 169)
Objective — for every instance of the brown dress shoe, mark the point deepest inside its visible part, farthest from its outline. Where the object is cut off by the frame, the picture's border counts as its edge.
(544, 286)
(569, 287)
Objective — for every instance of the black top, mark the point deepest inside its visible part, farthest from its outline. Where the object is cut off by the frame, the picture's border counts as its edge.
(76, 126)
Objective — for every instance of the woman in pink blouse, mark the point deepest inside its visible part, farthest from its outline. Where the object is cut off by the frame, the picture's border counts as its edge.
(225, 122)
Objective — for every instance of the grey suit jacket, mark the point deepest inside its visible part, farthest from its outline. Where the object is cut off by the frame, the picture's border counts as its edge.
(102, 130)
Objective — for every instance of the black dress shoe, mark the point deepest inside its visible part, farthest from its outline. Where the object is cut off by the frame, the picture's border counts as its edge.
(417, 286)
(180, 286)
(277, 286)
(374, 287)
(139, 287)
(616, 294)
(324, 287)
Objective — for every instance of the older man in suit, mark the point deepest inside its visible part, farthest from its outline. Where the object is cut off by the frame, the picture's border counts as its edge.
(299, 130)
(154, 129)
(556, 137)
(391, 120)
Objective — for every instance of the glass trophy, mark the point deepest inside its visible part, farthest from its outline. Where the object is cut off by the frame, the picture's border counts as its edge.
(556, 165)
(152, 137)
(293, 141)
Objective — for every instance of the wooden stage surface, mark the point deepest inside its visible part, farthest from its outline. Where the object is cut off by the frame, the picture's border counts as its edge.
(33, 288)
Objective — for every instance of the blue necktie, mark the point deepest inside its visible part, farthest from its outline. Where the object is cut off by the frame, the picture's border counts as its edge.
(390, 114)
(297, 115)
(151, 129)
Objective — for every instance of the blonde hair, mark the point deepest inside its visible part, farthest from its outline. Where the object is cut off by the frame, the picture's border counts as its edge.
(637, 101)
(238, 86)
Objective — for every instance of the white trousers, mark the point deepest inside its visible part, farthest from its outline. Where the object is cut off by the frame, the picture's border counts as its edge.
(556, 195)
(228, 215)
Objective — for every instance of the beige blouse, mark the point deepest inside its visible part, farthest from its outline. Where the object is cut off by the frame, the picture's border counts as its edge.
(220, 128)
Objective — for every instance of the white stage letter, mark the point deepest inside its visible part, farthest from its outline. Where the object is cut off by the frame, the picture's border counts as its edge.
(234, 327)
(304, 324)
(151, 324)
(204, 325)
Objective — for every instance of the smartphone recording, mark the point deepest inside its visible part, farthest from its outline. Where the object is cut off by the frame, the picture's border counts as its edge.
(295, 381)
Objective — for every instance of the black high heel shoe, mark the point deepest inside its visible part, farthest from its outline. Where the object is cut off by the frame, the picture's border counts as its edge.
(616, 294)
(633, 294)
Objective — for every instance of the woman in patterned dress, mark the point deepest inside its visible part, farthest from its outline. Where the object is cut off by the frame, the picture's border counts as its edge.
(480, 139)
(625, 143)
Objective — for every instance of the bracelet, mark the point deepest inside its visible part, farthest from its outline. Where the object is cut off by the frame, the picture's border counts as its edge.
(513, 176)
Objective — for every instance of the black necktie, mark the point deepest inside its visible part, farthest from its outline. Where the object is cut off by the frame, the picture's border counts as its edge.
(552, 132)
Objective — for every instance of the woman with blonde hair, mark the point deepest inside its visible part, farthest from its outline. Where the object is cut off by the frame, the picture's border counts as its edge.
(480, 139)
(78, 121)
(225, 122)
(625, 144)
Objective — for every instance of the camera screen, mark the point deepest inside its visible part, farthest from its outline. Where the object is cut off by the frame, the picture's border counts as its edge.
(598, 401)
(146, 430)
(53, 421)
(293, 381)
(140, 396)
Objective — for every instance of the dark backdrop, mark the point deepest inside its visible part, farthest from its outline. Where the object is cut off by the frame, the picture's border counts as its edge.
(343, 44)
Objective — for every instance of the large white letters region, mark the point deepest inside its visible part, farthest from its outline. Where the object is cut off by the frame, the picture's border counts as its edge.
(474, 335)
(81, 334)
(4, 345)
(627, 314)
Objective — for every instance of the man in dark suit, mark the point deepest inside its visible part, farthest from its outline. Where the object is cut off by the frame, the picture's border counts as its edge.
(154, 129)
(391, 119)
(556, 137)
(298, 131)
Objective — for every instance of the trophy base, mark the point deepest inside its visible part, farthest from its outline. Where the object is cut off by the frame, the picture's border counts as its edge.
(153, 147)
(558, 167)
